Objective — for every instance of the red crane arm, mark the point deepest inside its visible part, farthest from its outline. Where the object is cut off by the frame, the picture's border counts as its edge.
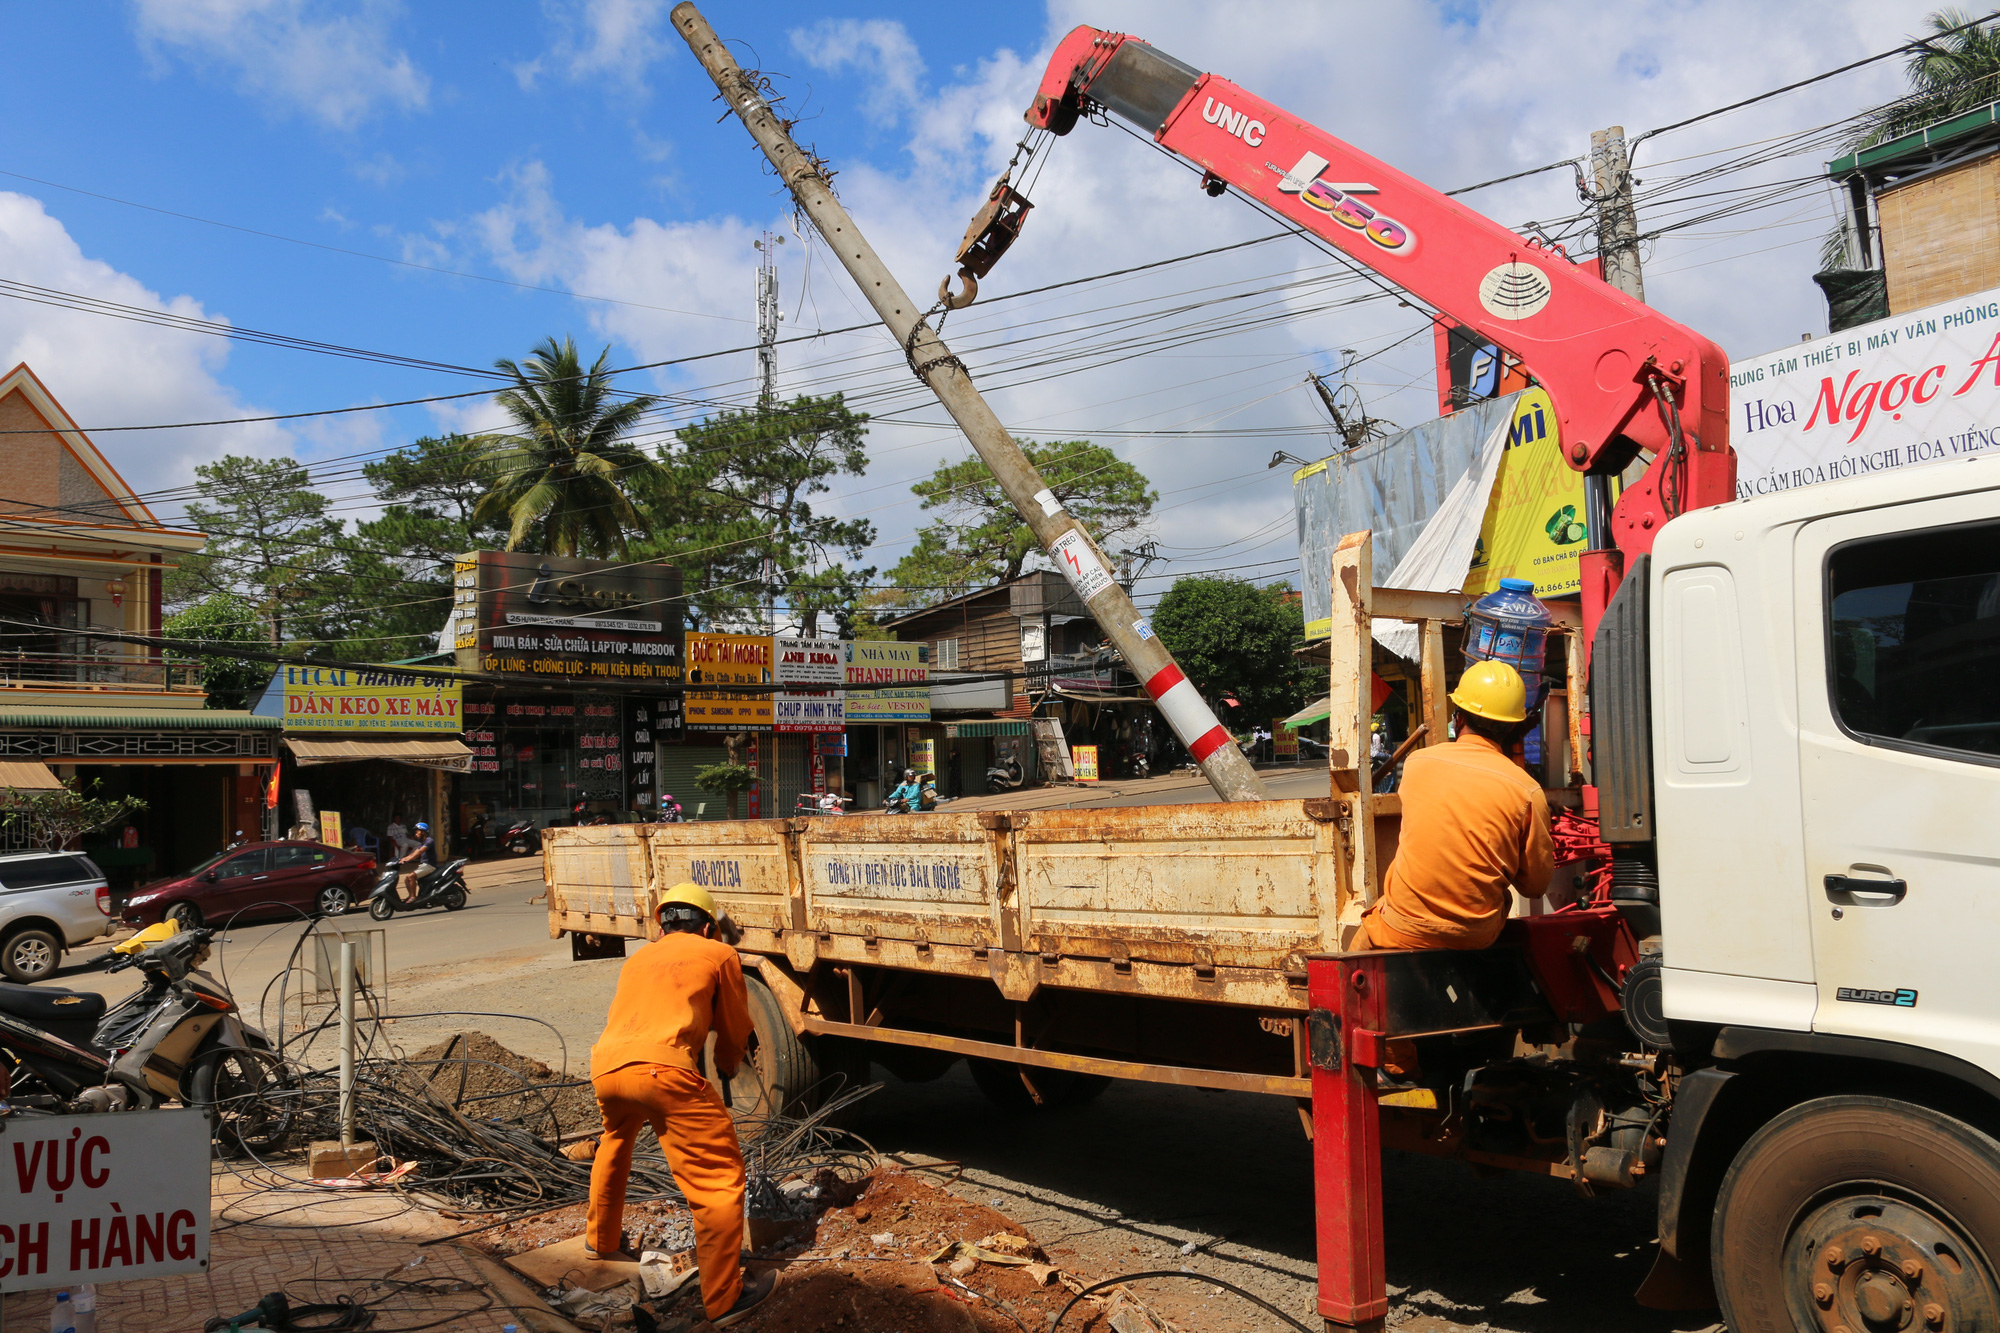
(1623, 377)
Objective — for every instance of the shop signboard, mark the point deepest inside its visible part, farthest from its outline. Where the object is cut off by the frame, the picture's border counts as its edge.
(923, 756)
(833, 745)
(1534, 525)
(902, 667)
(640, 754)
(1084, 760)
(329, 828)
(104, 1198)
(575, 622)
(323, 699)
(810, 662)
(729, 659)
(1284, 741)
(1915, 388)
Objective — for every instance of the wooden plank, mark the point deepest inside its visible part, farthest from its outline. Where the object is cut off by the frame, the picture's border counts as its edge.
(1351, 647)
(1436, 710)
(1419, 604)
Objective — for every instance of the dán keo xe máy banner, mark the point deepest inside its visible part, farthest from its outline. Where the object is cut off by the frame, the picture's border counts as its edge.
(1915, 388)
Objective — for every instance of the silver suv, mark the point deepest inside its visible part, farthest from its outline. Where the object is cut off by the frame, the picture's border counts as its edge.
(49, 902)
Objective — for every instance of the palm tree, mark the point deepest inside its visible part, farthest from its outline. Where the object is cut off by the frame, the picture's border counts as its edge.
(1956, 69)
(564, 478)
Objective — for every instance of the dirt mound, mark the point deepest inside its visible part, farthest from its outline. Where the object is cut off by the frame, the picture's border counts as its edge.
(486, 1081)
(652, 1226)
(868, 1268)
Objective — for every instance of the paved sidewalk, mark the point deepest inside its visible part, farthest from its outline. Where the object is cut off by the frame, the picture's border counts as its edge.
(314, 1246)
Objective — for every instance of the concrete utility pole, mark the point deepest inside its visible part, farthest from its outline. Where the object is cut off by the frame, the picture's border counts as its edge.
(1062, 537)
(768, 318)
(1617, 220)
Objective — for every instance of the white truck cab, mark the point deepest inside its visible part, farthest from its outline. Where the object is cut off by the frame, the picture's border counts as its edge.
(1826, 695)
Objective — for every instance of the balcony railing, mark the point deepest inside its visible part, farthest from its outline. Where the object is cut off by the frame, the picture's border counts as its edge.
(41, 671)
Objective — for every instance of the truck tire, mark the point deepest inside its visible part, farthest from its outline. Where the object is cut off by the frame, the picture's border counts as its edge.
(1001, 1081)
(1860, 1212)
(778, 1076)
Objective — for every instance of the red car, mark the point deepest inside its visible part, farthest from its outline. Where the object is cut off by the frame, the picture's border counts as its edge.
(261, 879)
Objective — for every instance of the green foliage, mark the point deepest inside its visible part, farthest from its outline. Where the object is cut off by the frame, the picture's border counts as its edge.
(218, 621)
(736, 490)
(55, 818)
(729, 780)
(981, 539)
(1236, 638)
(563, 484)
(270, 543)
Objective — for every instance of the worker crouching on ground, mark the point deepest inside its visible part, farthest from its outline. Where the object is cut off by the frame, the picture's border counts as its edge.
(1475, 824)
(646, 1071)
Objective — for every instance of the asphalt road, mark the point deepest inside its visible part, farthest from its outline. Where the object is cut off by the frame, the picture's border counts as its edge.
(1119, 1185)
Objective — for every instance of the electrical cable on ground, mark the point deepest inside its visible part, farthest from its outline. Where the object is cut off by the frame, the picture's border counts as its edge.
(1253, 1298)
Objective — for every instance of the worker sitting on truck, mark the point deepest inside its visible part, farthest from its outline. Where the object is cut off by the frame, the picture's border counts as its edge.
(645, 1070)
(1474, 825)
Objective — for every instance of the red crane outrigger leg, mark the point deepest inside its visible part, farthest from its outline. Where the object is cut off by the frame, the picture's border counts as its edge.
(1344, 1028)
(1623, 377)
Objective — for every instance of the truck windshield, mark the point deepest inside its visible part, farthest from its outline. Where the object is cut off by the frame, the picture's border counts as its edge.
(1914, 629)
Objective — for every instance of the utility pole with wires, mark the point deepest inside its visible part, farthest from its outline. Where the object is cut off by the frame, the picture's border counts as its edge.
(1617, 219)
(768, 318)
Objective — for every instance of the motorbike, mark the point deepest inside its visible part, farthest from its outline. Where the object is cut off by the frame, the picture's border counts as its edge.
(445, 888)
(522, 837)
(826, 803)
(670, 810)
(1005, 776)
(179, 1037)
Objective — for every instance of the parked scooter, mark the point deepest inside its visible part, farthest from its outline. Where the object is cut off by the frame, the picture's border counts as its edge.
(1007, 775)
(522, 837)
(826, 803)
(180, 1037)
(445, 888)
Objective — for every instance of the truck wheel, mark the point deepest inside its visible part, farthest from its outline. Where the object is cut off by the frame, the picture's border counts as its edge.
(1001, 1081)
(779, 1075)
(1860, 1212)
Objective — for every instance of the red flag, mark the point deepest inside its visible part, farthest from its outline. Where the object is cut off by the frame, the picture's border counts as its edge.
(271, 792)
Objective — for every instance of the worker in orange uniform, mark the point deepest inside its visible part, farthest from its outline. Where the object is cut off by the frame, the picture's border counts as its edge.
(645, 1070)
(1475, 824)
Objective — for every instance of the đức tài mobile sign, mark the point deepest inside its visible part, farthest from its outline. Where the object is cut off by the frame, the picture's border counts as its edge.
(1915, 388)
(347, 699)
(102, 1198)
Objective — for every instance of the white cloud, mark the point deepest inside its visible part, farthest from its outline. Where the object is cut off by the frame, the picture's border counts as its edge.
(601, 39)
(1448, 100)
(880, 49)
(120, 372)
(334, 65)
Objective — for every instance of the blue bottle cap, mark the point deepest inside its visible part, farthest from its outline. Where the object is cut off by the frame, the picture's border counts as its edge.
(1518, 585)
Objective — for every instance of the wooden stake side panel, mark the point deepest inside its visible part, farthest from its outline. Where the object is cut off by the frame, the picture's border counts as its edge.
(597, 872)
(745, 863)
(928, 878)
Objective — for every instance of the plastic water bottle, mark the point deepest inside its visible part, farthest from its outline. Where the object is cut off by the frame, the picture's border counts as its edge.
(1511, 625)
(86, 1308)
(62, 1319)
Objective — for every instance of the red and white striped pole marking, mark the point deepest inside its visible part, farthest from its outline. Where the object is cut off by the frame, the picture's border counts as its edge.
(1187, 712)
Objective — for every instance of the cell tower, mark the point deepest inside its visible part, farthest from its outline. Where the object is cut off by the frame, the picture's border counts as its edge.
(768, 318)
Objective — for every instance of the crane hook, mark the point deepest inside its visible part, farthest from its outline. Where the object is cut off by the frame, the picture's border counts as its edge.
(968, 291)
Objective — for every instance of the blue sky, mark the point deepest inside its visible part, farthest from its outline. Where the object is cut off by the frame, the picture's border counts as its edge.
(572, 146)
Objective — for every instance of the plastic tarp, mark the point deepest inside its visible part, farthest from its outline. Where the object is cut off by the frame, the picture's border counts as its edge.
(1439, 558)
(1393, 487)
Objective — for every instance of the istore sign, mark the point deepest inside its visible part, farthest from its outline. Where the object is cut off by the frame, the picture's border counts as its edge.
(1915, 388)
(102, 1198)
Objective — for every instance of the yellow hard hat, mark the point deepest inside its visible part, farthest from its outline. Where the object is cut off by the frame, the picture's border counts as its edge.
(694, 895)
(1494, 691)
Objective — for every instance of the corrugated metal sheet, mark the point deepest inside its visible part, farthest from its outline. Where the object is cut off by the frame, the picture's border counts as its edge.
(1391, 487)
(1621, 710)
(794, 772)
(676, 772)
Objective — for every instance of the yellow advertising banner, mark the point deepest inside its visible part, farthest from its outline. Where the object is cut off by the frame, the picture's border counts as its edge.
(1083, 758)
(728, 659)
(1534, 527)
(345, 699)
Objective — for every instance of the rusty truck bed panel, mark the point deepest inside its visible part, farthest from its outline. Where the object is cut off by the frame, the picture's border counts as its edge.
(1249, 885)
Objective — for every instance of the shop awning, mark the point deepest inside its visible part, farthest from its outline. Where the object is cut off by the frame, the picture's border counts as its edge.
(28, 776)
(970, 730)
(1310, 714)
(442, 752)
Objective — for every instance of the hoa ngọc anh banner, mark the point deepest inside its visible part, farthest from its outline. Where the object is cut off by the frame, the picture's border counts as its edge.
(1915, 388)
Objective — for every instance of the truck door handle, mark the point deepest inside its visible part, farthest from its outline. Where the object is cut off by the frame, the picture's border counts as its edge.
(1869, 892)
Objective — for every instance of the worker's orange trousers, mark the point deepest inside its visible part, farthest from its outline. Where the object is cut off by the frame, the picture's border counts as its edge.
(700, 1142)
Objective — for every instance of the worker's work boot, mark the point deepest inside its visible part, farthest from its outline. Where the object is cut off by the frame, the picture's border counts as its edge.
(757, 1288)
(622, 1255)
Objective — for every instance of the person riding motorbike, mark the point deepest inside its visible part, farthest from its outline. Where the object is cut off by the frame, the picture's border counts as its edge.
(422, 860)
(904, 798)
